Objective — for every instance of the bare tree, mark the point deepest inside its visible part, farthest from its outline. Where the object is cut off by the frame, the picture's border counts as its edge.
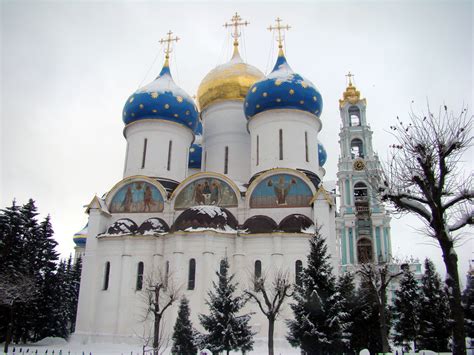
(269, 296)
(377, 277)
(14, 291)
(424, 177)
(160, 292)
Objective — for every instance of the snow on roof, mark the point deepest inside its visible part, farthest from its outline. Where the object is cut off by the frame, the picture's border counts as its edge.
(211, 211)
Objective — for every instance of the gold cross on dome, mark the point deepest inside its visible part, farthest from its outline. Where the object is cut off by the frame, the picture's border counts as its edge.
(236, 21)
(279, 27)
(168, 41)
(350, 76)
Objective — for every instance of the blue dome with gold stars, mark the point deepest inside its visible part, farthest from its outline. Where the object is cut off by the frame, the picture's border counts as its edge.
(322, 154)
(162, 99)
(195, 152)
(283, 89)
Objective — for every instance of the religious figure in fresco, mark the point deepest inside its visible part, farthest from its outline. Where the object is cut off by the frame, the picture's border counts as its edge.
(137, 197)
(128, 200)
(198, 195)
(281, 189)
(206, 191)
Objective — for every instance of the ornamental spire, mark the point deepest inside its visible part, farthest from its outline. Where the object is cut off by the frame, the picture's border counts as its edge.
(168, 48)
(350, 76)
(236, 22)
(279, 28)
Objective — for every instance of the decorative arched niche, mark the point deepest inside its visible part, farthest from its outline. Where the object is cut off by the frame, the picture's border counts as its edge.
(136, 195)
(280, 190)
(205, 189)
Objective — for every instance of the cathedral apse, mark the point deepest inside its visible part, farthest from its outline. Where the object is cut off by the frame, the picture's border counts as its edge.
(137, 197)
(282, 190)
(206, 191)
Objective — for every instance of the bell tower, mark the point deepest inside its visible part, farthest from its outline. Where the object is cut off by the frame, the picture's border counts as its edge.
(363, 225)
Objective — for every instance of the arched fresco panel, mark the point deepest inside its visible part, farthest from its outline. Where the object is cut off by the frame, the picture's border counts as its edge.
(206, 191)
(281, 190)
(137, 197)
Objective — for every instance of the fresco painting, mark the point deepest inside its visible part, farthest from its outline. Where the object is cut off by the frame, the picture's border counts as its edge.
(137, 197)
(281, 190)
(206, 191)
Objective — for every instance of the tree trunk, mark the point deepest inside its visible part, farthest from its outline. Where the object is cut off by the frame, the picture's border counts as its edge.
(8, 337)
(454, 293)
(156, 333)
(383, 323)
(271, 328)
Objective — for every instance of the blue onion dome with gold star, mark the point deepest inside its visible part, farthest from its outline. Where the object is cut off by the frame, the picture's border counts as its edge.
(161, 99)
(283, 89)
(195, 152)
(80, 238)
(322, 154)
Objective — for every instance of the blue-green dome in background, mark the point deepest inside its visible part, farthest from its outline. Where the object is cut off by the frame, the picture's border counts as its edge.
(322, 154)
(283, 89)
(162, 99)
(195, 152)
(80, 238)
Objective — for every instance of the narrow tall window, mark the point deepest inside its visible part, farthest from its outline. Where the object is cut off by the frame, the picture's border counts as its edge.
(106, 276)
(257, 274)
(281, 144)
(167, 274)
(226, 160)
(192, 274)
(140, 267)
(258, 149)
(170, 146)
(298, 271)
(222, 267)
(144, 152)
(306, 146)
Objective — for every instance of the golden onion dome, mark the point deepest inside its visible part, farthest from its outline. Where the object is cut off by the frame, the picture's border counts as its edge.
(229, 81)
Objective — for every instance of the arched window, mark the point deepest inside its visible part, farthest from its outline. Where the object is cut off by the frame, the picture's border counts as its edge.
(364, 251)
(226, 160)
(360, 192)
(192, 274)
(167, 274)
(298, 272)
(140, 267)
(306, 146)
(145, 142)
(257, 274)
(170, 146)
(354, 116)
(106, 275)
(222, 267)
(357, 148)
(258, 149)
(280, 140)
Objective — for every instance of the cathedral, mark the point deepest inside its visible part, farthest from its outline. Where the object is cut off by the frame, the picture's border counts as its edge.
(237, 173)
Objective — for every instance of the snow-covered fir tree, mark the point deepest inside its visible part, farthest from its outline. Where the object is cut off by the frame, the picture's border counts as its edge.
(435, 327)
(345, 287)
(226, 330)
(405, 310)
(183, 332)
(468, 305)
(317, 327)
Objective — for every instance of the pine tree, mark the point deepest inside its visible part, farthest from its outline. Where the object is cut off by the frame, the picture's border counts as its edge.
(183, 333)
(75, 286)
(435, 327)
(406, 310)
(316, 327)
(226, 330)
(345, 287)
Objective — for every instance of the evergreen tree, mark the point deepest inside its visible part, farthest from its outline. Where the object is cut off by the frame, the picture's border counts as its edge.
(406, 310)
(316, 327)
(226, 330)
(75, 286)
(183, 333)
(345, 287)
(435, 327)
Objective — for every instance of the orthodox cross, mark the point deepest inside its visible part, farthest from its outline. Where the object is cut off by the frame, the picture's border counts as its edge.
(236, 21)
(350, 76)
(168, 41)
(279, 27)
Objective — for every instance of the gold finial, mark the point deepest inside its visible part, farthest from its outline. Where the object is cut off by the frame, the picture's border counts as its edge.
(168, 48)
(350, 76)
(279, 27)
(236, 21)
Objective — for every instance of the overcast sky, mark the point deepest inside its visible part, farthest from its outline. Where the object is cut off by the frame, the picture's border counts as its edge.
(68, 67)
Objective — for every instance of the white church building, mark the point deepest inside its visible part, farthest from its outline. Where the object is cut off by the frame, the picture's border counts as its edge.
(237, 175)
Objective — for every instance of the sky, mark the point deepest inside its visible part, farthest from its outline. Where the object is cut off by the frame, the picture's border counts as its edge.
(67, 68)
